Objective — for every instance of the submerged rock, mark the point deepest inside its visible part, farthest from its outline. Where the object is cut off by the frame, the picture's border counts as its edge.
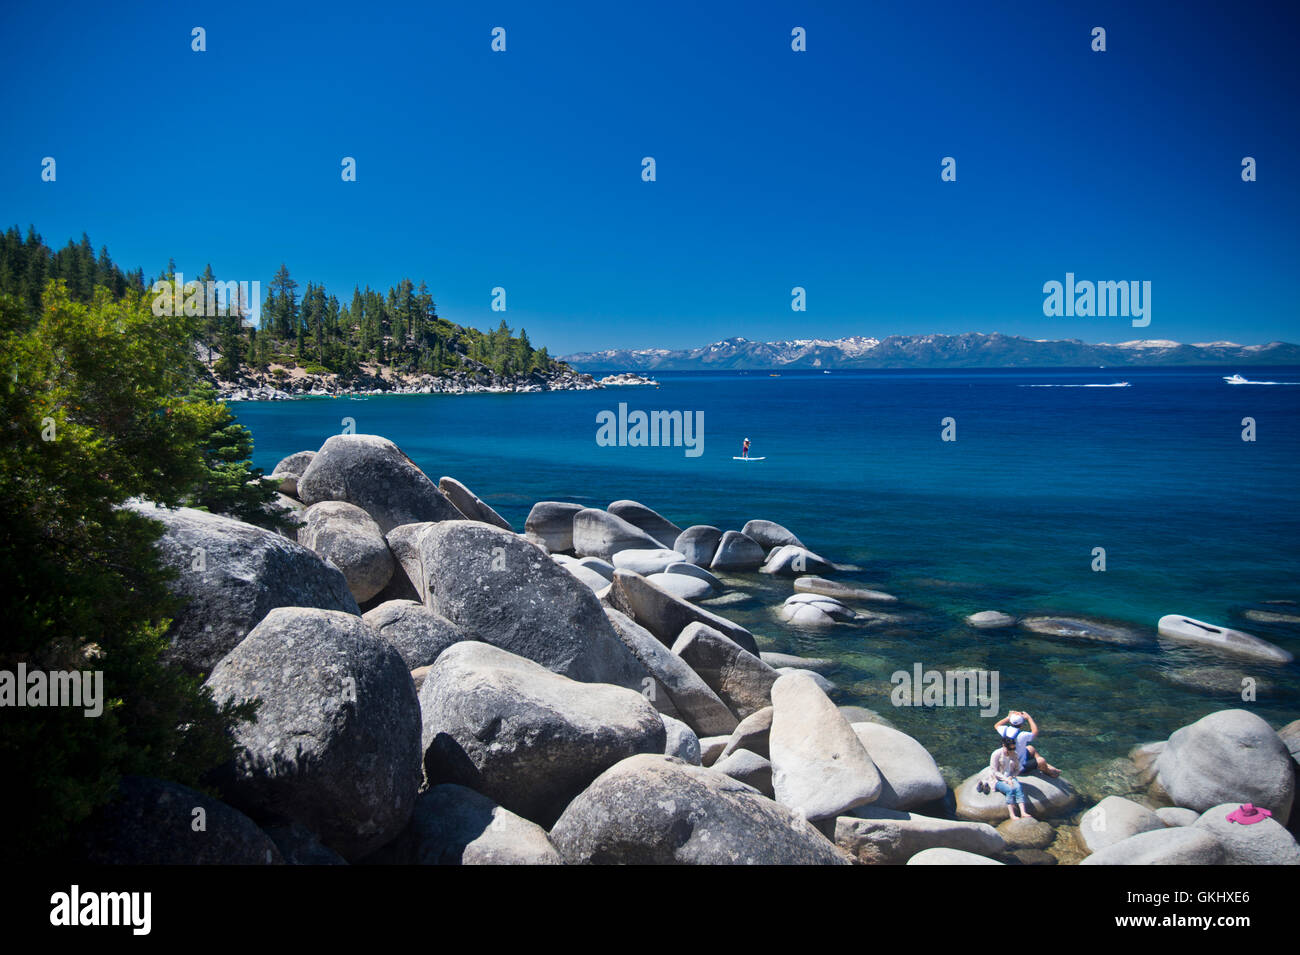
(1077, 629)
(1197, 632)
(990, 620)
(831, 588)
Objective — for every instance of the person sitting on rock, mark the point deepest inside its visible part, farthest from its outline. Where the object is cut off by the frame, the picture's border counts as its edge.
(1012, 726)
(1004, 765)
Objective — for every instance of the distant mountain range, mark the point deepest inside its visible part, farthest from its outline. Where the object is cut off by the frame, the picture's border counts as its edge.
(971, 350)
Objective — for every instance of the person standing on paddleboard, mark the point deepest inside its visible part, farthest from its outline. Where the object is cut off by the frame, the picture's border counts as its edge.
(744, 449)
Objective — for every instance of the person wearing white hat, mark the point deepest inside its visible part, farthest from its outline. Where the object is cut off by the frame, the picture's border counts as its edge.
(744, 449)
(1012, 727)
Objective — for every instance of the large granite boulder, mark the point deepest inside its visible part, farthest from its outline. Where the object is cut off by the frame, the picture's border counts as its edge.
(500, 589)
(819, 766)
(692, 700)
(470, 504)
(454, 825)
(527, 737)
(336, 742)
(737, 552)
(1045, 798)
(347, 537)
(739, 678)
(1114, 819)
(408, 581)
(550, 525)
(287, 472)
(598, 533)
(875, 835)
(1183, 845)
(769, 534)
(373, 473)
(1260, 843)
(666, 615)
(950, 857)
(681, 586)
(699, 543)
(413, 630)
(154, 822)
(752, 733)
(749, 768)
(653, 523)
(909, 776)
(656, 810)
(681, 741)
(232, 574)
(1228, 756)
(655, 560)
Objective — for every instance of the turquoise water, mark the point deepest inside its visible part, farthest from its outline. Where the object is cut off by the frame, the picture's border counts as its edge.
(1193, 519)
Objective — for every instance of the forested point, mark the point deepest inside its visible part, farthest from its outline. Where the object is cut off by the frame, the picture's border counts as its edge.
(374, 334)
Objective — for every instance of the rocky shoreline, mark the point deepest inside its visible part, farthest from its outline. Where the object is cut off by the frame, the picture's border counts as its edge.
(438, 688)
(482, 382)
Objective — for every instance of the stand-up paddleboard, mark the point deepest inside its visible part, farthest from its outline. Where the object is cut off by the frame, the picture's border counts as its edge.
(749, 459)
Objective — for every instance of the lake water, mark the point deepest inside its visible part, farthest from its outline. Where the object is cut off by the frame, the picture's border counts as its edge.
(1193, 520)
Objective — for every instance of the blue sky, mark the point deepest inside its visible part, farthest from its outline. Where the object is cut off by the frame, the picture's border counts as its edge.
(775, 169)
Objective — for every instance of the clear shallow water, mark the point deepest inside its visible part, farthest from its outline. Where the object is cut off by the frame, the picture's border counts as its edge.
(1193, 519)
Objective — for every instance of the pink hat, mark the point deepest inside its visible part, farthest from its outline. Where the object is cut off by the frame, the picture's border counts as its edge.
(1248, 815)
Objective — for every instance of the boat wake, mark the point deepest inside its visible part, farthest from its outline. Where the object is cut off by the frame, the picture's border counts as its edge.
(1117, 384)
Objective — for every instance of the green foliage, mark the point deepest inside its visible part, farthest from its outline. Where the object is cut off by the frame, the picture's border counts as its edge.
(90, 417)
(230, 485)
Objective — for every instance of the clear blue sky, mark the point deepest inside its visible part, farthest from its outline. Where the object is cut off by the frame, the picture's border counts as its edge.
(775, 169)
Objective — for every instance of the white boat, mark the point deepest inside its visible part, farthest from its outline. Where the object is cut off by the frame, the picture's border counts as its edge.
(1235, 380)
